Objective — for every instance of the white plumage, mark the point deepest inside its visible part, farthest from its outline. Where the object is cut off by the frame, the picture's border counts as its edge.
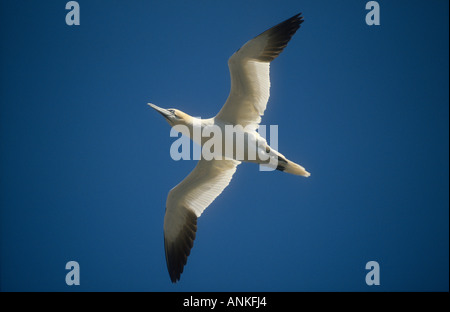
(246, 103)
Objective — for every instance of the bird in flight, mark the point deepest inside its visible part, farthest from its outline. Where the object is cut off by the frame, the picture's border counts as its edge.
(246, 103)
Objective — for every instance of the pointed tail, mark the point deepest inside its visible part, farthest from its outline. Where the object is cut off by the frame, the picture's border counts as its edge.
(291, 167)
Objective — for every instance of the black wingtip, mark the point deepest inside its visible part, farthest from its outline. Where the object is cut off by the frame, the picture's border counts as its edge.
(279, 36)
(178, 251)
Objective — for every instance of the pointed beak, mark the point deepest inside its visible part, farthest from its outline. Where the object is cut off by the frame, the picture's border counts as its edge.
(160, 110)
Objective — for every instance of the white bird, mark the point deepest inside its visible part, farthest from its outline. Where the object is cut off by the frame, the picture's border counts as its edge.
(246, 103)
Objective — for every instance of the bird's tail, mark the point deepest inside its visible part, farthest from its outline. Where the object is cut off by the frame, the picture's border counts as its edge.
(288, 166)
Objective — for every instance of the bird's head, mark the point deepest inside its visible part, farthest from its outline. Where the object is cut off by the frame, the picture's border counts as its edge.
(173, 116)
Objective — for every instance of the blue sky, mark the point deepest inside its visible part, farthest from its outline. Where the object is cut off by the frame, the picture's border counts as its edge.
(85, 164)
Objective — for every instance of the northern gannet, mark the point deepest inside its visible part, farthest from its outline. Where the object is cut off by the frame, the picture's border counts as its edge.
(246, 103)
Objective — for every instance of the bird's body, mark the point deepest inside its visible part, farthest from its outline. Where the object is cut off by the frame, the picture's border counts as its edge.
(235, 137)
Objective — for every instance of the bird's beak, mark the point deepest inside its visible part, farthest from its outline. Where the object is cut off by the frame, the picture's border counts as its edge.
(160, 110)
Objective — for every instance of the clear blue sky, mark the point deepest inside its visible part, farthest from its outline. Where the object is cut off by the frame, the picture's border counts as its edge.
(85, 166)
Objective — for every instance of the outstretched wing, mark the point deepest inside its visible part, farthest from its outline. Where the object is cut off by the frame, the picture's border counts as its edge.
(185, 203)
(249, 71)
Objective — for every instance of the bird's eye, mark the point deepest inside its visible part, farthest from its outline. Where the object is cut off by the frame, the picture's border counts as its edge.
(173, 112)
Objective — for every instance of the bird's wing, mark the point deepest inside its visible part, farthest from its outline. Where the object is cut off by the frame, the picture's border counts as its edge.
(186, 202)
(249, 71)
